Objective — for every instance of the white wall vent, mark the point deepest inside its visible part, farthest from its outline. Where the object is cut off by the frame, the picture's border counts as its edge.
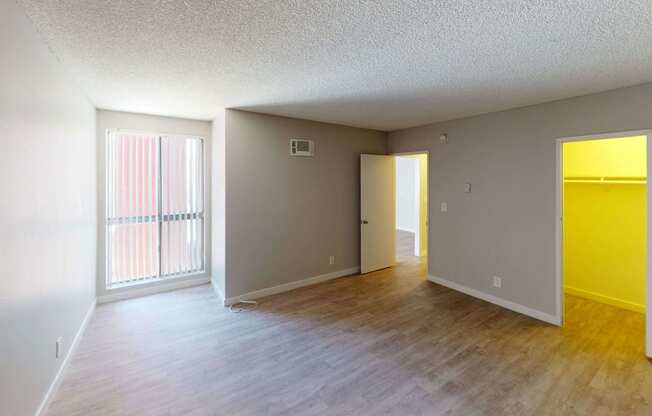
(302, 147)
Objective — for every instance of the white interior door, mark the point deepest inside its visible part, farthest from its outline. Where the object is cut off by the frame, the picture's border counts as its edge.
(377, 212)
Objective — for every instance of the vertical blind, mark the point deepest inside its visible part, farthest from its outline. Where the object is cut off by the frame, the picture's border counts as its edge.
(154, 207)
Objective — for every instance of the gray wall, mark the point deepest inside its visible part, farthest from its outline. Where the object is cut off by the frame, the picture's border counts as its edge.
(506, 226)
(47, 212)
(286, 215)
(157, 124)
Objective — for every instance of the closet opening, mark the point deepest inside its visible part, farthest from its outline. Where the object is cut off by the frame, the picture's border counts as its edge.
(603, 224)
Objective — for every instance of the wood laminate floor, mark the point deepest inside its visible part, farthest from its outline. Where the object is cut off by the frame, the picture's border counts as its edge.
(387, 343)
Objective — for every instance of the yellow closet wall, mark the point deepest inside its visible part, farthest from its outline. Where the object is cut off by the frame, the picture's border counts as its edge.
(605, 223)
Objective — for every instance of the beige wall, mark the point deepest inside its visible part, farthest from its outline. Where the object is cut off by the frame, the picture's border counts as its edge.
(47, 213)
(286, 215)
(115, 119)
(506, 226)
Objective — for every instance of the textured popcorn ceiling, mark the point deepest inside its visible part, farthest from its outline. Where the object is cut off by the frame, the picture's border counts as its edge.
(379, 64)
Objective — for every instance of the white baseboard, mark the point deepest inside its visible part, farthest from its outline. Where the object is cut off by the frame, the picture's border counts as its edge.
(290, 286)
(516, 307)
(165, 287)
(598, 297)
(59, 376)
(218, 292)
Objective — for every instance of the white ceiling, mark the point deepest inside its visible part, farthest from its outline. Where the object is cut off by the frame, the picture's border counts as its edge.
(378, 64)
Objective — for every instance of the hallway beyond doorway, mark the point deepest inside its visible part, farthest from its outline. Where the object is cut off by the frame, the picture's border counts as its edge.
(404, 243)
(411, 205)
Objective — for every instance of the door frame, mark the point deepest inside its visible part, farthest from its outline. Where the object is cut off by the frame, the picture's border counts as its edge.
(559, 205)
(427, 153)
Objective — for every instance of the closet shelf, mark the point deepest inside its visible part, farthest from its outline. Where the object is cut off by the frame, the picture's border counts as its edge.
(607, 180)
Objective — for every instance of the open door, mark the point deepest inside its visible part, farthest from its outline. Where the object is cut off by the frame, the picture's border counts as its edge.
(377, 212)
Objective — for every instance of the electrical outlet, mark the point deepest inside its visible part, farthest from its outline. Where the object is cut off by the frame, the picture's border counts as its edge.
(498, 281)
(444, 207)
(331, 260)
(57, 347)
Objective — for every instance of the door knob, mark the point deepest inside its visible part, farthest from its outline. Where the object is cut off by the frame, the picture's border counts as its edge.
(365, 222)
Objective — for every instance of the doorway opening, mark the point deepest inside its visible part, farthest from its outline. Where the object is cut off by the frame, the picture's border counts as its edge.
(411, 206)
(393, 211)
(603, 221)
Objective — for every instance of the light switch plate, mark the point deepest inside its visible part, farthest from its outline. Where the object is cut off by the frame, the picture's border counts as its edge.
(444, 207)
(57, 347)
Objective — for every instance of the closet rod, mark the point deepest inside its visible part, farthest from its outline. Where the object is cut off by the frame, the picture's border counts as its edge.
(607, 180)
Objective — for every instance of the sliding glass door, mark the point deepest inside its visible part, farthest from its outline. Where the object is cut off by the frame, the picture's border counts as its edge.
(154, 207)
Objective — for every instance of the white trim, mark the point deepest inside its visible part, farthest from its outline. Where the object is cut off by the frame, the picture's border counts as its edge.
(291, 286)
(648, 254)
(218, 292)
(205, 207)
(153, 281)
(516, 307)
(406, 230)
(559, 264)
(607, 135)
(608, 300)
(559, 281)
(59, 376)
(136, 131)
(145, 291)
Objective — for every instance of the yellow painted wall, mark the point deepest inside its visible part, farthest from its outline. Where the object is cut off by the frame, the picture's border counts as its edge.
(423, 176)
(605, 223)
(619, 157)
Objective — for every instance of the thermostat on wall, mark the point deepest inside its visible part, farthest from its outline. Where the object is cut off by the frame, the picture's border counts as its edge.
(302, 147)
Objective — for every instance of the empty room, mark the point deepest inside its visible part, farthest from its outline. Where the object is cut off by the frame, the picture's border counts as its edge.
(325, 207)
